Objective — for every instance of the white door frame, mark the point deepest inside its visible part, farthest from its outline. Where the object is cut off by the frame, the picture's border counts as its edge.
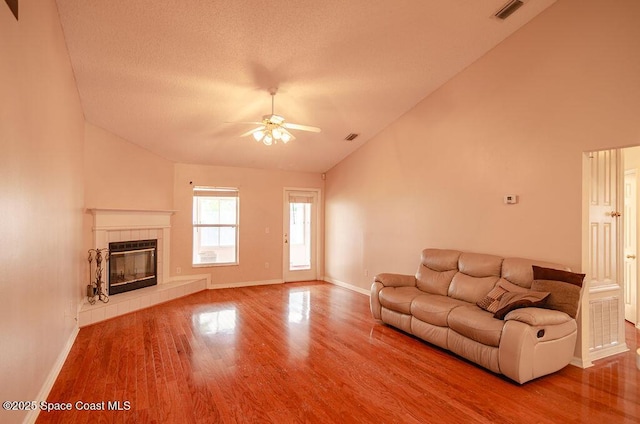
(315, 274)
(631, 246)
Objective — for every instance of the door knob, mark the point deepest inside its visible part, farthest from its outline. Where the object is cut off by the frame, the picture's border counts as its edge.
(631, 256)
(614, 214)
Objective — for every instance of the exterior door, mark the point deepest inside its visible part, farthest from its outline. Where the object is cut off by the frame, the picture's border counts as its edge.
(630, 246)
(300, 235)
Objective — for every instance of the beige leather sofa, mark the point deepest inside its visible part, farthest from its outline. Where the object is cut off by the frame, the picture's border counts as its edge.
(439, 305)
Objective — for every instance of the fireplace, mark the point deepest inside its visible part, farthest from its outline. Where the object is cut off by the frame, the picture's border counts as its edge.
(132, 265)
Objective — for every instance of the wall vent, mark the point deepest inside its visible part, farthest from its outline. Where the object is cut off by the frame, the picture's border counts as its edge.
(508, 9)
(351, 136)
(604, 318)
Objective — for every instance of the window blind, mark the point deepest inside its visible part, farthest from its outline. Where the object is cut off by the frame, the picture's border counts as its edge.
(215, 192)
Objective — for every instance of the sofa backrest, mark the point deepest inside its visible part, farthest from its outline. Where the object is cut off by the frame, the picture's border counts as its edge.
(519, 271)
(470, 276)
(436, 270)
(477, 275)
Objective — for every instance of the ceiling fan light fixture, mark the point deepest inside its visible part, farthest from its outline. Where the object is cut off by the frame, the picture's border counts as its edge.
(276, 119)
(258, 135)
(273, 128)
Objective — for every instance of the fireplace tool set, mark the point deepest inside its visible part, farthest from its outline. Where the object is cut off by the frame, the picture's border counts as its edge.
(96, 289)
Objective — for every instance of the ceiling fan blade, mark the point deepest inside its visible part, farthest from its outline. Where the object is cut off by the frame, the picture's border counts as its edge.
(251, 123)
(253, 130)
(291, 126)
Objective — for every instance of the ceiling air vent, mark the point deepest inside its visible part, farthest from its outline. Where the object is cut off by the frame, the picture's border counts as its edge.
(508, 9)
(351, 136)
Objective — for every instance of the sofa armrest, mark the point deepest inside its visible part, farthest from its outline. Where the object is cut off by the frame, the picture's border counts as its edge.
(381, 281)
(538, 317)
(536, 342)
(395, 280)
(374, 300)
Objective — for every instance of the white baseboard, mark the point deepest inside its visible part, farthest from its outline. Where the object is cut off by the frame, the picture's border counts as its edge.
(32, 415)
(187, 277)
(581, 363)
(348, 286)
(609, 351)
(245, 284)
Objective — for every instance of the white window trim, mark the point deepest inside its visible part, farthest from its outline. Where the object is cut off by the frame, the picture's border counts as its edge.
(217, 192)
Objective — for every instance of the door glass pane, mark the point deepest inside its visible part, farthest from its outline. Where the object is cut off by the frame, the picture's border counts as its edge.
(299, 236)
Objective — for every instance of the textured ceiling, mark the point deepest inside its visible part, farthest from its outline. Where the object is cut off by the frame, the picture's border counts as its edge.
(169, 75)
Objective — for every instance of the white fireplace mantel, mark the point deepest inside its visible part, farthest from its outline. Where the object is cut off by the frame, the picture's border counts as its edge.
(129, 219)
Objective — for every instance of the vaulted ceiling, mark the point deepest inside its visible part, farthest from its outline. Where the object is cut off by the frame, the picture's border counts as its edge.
(171, 76)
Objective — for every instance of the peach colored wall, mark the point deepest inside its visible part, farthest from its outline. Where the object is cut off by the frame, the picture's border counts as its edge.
(41, 200)
(261, 206)
(122, 175)
(514, 122)
(119, 174)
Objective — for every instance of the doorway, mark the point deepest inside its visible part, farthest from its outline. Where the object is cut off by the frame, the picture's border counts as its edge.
(631, 160)
(603, 253)
(300, 241)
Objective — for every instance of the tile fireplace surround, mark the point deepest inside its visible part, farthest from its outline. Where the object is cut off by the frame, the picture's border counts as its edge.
(113, 225)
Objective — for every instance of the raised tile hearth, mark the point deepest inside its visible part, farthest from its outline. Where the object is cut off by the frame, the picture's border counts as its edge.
(132, 301)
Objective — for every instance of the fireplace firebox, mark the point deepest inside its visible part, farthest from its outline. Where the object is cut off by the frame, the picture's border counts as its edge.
(132, 265)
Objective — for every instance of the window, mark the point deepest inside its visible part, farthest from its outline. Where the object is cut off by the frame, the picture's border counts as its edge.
(215, 226)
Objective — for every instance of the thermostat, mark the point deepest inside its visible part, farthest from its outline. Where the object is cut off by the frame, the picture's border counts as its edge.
(510, 199)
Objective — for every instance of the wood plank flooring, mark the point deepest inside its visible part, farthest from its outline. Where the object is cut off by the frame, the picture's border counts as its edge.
(310, 353)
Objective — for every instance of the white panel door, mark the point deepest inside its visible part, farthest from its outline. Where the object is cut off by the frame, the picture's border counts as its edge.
(603, 219)
(630, 246)
(605, 267)
(300, 236)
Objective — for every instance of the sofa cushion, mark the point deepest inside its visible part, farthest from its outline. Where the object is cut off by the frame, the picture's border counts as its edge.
(434, 309)
(398, 298)
(477, 276)
(508, 286)
(476, 324)
(434, 282)
(511, 301)
(470, 289)
(490, 302)
(505, 297)
(565, 288)
(480, 265)
(440, 259)
(437, 268)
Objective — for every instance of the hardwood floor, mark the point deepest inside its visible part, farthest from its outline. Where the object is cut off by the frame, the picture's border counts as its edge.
(310, 352)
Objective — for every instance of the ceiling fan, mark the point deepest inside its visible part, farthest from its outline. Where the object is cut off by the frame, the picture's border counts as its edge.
(273, 128)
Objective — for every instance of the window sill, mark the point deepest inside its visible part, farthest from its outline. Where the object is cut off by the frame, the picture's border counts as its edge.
(215, 265)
